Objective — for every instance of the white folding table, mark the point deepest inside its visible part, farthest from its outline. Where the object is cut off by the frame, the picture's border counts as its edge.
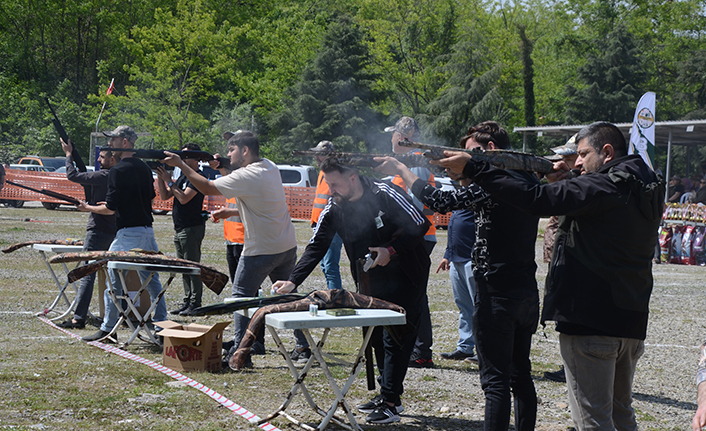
(61, 295)
(140, 325)
(304, 321)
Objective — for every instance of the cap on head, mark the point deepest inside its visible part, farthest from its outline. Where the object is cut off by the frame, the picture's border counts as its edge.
(406, 126)
(567, 149)
(324, 147)
(676, 177)
(228, 135)
(123, 132)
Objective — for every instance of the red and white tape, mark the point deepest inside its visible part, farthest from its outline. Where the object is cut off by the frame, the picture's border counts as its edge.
(225, 402)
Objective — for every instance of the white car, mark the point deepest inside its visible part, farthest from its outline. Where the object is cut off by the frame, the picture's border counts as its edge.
(298, 175)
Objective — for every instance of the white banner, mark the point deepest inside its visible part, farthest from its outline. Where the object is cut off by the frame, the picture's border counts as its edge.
(642, 133)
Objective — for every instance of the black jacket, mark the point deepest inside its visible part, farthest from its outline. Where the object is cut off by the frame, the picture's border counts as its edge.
(503, 255)
(600, 277)
(384, 216)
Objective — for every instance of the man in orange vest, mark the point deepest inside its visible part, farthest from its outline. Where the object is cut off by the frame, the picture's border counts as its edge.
(406, 127)
(233, 231)
(329, 264)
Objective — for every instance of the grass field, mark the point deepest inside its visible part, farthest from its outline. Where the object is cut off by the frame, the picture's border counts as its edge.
(51, 381)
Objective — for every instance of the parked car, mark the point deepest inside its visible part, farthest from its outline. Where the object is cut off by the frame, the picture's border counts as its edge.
(298, 175)
(25, 167)
(49, 163)
(62, 170)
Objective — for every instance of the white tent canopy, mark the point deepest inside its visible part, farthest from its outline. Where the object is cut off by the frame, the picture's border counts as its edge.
(667, 133)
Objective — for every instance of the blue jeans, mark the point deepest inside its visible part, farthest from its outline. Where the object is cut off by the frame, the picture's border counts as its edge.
(503, 330)
(251, 272)
(94, 241)
(464, 289)
(329, 264)
(126, 239)
(188, 246)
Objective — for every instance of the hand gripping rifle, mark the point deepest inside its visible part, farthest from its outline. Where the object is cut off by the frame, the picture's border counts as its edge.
(224, 162)
(503, 159)
(87, 190)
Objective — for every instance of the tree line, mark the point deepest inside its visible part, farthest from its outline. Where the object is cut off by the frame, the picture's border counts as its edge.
(300, 72)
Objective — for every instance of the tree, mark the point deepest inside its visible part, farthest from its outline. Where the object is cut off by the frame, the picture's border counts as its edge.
(181, 60)
(612, 80)
(470, 97)
(332, 101)
(408, 42)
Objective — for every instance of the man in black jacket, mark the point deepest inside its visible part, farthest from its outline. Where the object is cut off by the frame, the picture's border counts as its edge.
(100, 230)
(506, 306)
(378, 218)
(600, 277)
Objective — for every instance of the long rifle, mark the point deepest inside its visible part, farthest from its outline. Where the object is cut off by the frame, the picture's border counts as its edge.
(503, 159)
(367, 160)
(80, 165)
(224, 162)
(56, 195)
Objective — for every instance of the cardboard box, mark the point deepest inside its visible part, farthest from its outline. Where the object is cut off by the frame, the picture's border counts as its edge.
(192, 347)
(133, 285)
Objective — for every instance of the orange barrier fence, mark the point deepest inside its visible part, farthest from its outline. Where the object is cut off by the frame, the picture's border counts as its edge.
(299, 199)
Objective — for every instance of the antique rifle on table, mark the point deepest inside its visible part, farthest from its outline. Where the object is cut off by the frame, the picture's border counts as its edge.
(224, 162)
(56, 195)
(503, 159)
(80, 165)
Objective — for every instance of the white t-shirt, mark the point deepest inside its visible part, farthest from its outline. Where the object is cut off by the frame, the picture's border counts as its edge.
(263, 207)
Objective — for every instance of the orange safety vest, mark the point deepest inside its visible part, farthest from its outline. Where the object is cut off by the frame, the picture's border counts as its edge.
(429, 214)
(233, 228)
(321, 199)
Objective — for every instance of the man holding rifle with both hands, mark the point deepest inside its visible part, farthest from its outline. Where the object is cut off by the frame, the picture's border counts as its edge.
(599, 282)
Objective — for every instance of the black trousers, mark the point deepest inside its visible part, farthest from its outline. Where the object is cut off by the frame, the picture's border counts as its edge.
(392, 354)
(503, 329)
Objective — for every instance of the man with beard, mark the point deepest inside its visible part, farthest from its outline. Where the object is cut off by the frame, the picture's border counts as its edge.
(377, 218)
(129, 197)
(506, 306)
(270, 244)
(600, 278)
(100, 229)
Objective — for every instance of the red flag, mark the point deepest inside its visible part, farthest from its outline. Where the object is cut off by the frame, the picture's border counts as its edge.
(110, 87)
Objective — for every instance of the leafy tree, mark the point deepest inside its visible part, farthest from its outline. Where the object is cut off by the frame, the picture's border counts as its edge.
(408, 41)
(181, 60)
(692, 79)
(613, 78)
(333, 97)
(470, 97)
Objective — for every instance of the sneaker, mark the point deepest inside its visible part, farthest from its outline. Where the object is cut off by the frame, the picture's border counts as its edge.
(420, 363)
(300, 355)
(556, 376)
(383, 414)
(70, 324)
(376, 402)
(100, 335)
(471, 359)
(456, 355)
(183, 307)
